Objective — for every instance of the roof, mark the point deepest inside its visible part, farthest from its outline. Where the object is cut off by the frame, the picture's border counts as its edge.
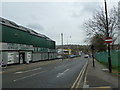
(14, 25)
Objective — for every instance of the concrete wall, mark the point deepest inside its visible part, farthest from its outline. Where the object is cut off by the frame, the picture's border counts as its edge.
(10, 57)
(36, 56)
(28, 56)
(13, 57)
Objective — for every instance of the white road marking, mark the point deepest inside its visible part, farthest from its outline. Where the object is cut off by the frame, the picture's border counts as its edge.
(82, 73)
(60, 66)
(1, 72)
(105, 69)
(28, 76)
(27, 71)
(85, 83)
(60, 74)
(77, 81)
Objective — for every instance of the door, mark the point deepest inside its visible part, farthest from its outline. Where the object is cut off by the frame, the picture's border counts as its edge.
(22, 57)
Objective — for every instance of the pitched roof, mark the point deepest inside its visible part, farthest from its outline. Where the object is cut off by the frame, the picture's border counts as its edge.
(14, 25)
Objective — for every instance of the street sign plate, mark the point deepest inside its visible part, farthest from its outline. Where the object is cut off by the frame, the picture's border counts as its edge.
(108, 40)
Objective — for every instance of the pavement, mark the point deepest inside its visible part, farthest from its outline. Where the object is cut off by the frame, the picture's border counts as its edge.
(98, 77)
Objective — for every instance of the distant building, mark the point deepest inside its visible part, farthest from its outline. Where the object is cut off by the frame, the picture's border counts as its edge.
(64, 51)
(69, 49)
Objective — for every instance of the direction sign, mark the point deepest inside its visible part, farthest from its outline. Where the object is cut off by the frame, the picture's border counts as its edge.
(108, 40)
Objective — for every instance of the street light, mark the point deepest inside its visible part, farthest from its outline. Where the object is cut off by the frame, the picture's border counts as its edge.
(62, 44)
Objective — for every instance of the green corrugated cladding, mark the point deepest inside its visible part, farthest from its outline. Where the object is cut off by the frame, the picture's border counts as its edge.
(0, 33)
(103, 57)
(12, 35)
(51, 44)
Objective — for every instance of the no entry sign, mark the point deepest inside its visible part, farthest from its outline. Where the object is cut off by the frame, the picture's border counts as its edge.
(108, 40)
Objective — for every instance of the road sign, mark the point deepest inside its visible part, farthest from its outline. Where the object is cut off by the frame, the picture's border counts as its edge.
(108, 40)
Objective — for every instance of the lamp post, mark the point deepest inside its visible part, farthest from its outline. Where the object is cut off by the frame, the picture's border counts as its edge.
(62, 44)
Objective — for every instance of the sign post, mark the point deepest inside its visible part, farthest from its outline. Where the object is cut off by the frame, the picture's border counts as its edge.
(92, 48)
(108, 40)
(107, 34)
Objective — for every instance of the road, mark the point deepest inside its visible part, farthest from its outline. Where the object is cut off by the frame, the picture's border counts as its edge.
(55, 75)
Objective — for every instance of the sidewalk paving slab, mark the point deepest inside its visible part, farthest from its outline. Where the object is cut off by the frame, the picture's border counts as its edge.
(98, 77)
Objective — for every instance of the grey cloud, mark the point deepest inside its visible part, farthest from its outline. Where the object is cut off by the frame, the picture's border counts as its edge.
(35, 26)
(91, 6)
(34, 17)
(86, 8)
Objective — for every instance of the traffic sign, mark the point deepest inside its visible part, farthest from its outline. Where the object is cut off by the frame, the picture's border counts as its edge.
(108, 40)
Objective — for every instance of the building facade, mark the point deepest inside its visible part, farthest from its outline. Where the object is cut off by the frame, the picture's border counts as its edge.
(19, 44)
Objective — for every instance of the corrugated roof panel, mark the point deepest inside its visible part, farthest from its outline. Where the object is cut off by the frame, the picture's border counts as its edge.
(23, 28)
(2, 21)
(12, 24)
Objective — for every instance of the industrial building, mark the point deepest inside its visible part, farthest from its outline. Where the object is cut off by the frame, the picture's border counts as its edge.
(19, 44)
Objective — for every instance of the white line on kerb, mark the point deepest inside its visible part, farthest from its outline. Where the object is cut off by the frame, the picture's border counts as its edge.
(27, 71)
(60, 74)
(27, 76)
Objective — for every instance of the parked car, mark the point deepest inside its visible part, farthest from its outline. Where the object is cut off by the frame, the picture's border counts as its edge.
(59, 57)
(86, 56)
(71, 56)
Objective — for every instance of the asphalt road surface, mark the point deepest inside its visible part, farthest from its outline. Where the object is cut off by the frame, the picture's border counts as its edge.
(56, 75)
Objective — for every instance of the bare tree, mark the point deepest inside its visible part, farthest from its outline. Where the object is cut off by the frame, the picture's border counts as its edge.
(97, 25)
(98, 43)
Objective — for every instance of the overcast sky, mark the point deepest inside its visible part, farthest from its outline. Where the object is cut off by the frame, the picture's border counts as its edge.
(53, 18)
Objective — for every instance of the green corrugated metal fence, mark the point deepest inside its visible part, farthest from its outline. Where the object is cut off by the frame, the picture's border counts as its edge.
(103, 57)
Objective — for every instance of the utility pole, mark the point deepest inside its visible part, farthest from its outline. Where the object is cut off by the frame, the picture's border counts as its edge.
(107, 31)
(62, 44)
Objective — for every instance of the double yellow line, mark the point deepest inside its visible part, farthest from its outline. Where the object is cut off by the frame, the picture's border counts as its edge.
(76, 84)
